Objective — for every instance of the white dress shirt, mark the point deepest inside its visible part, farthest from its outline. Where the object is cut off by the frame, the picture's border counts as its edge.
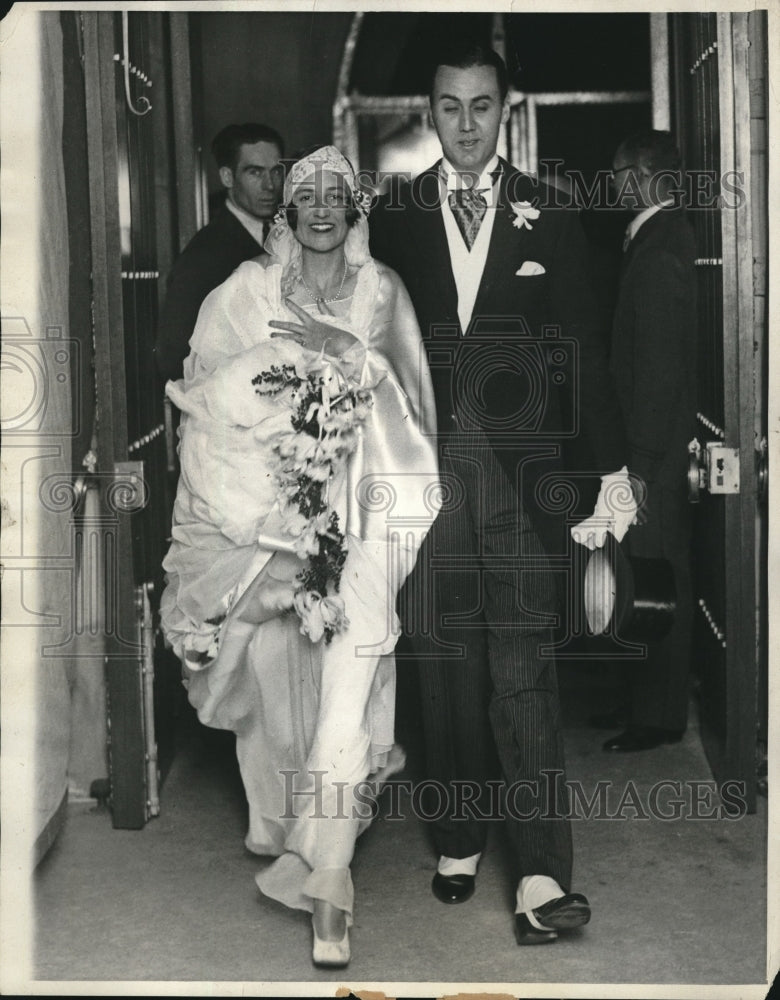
(467, 265)
(253, 225)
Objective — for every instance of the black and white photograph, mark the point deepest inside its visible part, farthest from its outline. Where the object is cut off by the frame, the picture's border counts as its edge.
(387, 536)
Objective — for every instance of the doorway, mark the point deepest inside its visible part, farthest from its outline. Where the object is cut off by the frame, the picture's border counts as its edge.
(146, 168)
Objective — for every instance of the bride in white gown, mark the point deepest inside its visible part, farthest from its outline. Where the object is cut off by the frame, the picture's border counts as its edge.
(308, 481)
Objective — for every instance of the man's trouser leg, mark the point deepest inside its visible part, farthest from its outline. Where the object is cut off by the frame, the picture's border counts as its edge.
(493, 595)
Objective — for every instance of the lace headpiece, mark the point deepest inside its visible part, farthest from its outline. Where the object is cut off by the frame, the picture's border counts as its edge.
(282, 243)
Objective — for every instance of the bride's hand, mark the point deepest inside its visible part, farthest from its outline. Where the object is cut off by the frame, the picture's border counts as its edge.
(313, 334)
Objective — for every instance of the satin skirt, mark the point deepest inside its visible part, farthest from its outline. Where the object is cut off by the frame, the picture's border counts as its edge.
(314, 727)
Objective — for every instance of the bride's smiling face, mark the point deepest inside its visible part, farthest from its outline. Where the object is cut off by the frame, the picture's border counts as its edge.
(321, 202)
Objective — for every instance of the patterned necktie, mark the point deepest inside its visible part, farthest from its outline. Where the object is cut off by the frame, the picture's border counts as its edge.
(468, 207)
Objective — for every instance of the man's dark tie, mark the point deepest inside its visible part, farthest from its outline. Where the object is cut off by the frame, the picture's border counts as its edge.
(266, 229)
(468, 207)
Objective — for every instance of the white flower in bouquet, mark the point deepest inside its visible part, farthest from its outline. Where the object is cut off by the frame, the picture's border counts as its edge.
(301, 448)
(326, 412)
(307, 543)
(338, 421)
(293, 521)
(334, 447)
(314, 410)
(320, 616)
(201, 642)
(362, 409)
(308, 605)
(318, 471)
(333, 613)
(289, 490)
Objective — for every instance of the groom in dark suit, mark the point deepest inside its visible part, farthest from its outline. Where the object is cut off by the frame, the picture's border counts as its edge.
(496, 273)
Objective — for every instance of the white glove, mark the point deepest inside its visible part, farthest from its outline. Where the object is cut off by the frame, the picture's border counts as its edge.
(615, 511)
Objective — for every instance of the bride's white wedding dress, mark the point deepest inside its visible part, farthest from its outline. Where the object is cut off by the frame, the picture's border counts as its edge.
(313, 720)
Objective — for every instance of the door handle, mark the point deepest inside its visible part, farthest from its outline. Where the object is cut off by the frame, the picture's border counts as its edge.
(697, 472)
(715, 468)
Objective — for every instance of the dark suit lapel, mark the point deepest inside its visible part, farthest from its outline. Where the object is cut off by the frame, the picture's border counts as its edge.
(504, 242)
(432, 244)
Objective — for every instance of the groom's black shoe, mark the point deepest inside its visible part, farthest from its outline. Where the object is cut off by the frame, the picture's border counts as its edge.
(453, 888)
(571, 910)
(526, 933)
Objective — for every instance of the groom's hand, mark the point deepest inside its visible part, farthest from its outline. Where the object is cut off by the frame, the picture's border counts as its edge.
(616, 510)
(312, 333)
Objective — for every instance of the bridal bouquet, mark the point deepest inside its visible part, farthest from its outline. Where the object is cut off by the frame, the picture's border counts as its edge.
(326, 412)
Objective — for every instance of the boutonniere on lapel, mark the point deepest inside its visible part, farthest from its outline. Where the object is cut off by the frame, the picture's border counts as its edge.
(525, 214)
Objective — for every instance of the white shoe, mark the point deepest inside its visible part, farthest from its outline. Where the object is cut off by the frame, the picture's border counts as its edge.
(332, 954)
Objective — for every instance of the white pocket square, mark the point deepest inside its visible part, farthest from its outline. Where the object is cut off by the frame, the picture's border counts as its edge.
(529, 268)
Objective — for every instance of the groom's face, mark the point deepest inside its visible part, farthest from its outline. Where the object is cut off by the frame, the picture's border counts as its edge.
(468, 111)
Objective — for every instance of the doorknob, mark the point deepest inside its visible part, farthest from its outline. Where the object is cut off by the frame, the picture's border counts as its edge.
(697, 472)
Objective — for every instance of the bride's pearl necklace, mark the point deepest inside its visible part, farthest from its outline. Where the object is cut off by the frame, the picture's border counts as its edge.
(322, 298)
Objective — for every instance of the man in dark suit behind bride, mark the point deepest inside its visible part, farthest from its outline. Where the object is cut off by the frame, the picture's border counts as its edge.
(249, 160)
(496, 271)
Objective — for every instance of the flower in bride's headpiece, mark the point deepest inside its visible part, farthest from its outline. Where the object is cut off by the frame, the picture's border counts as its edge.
(363, 200)
(525, 214)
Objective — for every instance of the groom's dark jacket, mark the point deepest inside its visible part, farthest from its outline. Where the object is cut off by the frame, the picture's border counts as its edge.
(532, 367)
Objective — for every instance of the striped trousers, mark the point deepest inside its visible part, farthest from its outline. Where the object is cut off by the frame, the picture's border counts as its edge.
(477, 610)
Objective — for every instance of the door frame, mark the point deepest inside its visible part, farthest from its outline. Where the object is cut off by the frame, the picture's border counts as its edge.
(124, 656)
(732, 755)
